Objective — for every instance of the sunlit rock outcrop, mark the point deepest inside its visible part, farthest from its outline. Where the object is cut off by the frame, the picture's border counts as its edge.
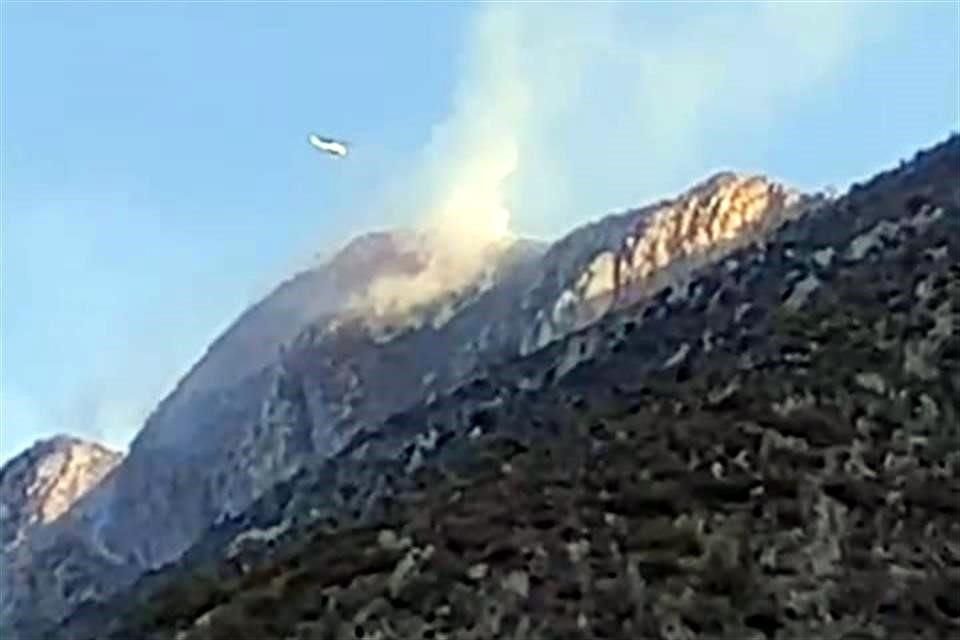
(40, 484)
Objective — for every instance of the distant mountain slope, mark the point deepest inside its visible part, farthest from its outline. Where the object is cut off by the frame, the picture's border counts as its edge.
(209, 448)
(37, 487)
(40, 484)
(251, 344)
(765, 446)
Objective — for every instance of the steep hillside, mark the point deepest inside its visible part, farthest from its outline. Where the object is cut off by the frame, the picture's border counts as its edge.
(217, 444)
(252, 343)
(192, 463)
(762, 445)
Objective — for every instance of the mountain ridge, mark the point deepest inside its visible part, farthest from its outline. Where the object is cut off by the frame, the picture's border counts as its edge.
(41, 483)
(543, 307)
(737, 344)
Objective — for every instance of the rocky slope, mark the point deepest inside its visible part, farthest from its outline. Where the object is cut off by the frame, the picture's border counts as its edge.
(708, 312)
(768, 451)
(190, 464)
(36, 488)
(209, 453)
(40, 484)
(219, 441)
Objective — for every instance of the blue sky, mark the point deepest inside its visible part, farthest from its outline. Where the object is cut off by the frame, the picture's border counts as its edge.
(156, 179)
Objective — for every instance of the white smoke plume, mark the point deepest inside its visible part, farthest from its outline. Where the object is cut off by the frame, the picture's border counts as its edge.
(565, 111)
(460, 191)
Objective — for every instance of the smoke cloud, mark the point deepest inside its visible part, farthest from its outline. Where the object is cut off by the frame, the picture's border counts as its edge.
(569, 111)
(460, 190)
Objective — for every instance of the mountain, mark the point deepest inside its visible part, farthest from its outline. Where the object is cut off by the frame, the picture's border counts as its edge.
(40, 484)
(209, 448)
(403, 368)
(763, 447)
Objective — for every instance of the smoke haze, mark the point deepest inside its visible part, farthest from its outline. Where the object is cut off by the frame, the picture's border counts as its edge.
(560, 113)
(566, 111)
(574, 110)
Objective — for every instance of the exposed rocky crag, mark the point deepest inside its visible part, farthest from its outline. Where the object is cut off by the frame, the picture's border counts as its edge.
(36, 488)
(40, 484)
(764, 445)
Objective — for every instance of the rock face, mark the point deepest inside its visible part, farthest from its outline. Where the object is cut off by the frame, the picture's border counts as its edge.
(36, 488)
(212, 447)
(40, 484)
(659, 247)
(764, 448)
(361, 397)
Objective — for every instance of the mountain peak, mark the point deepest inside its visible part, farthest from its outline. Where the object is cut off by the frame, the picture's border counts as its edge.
(725, 210)
(41, 483)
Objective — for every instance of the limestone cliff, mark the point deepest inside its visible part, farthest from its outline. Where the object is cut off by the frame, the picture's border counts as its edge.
(40, 484)
(36, 488)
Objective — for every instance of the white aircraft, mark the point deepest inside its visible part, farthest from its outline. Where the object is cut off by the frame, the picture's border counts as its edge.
(328, 145)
